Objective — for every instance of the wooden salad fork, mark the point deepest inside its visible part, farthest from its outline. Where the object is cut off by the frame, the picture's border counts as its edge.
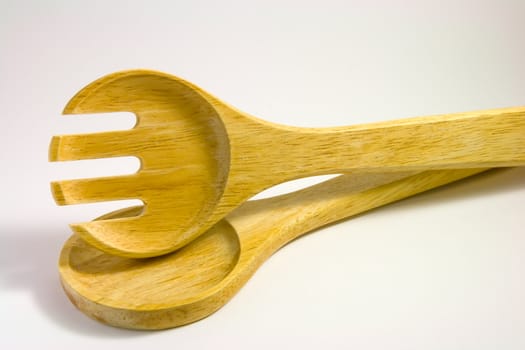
(198, 279)
(201, 158)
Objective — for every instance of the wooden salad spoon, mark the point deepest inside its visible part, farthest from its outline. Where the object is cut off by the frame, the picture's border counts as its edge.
(195, 281)
(201, 158)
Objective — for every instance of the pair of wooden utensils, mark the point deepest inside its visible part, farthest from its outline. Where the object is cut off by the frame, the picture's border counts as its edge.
(198, 239)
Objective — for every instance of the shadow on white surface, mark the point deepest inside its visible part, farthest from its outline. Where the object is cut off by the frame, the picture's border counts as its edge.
(28, 261)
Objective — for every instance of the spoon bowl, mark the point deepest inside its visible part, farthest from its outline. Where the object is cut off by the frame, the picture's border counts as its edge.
(195, 281)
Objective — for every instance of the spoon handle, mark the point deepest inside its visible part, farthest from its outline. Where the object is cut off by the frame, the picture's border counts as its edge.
(279, 220)
(492, 138)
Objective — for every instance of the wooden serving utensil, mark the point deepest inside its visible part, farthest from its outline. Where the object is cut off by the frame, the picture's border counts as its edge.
(201, 158)
(195, 281)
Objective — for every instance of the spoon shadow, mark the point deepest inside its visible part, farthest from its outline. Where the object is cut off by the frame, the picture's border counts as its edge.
(28, 261)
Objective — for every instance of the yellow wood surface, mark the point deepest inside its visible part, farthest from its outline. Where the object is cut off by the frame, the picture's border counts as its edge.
(201, 158)
(195, 281)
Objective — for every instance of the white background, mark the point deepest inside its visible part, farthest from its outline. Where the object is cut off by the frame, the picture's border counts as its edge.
(444, 270)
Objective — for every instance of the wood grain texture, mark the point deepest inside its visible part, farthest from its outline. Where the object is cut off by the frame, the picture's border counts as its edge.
(201, 158)
(195, 281)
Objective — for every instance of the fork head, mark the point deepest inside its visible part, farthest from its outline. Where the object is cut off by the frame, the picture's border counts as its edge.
(183, 148)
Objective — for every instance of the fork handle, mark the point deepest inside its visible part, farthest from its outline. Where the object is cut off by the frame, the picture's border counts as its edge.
(492, 138)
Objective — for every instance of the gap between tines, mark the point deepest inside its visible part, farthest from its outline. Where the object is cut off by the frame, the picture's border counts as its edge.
(94, 122)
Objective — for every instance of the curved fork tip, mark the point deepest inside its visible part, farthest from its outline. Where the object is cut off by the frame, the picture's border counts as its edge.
(54, 148)
(58, 194)
(73, 105)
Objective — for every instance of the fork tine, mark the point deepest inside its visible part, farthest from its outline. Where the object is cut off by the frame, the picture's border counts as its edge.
(95, 232)
(94, 145)
(96, 190)
(126, 232)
